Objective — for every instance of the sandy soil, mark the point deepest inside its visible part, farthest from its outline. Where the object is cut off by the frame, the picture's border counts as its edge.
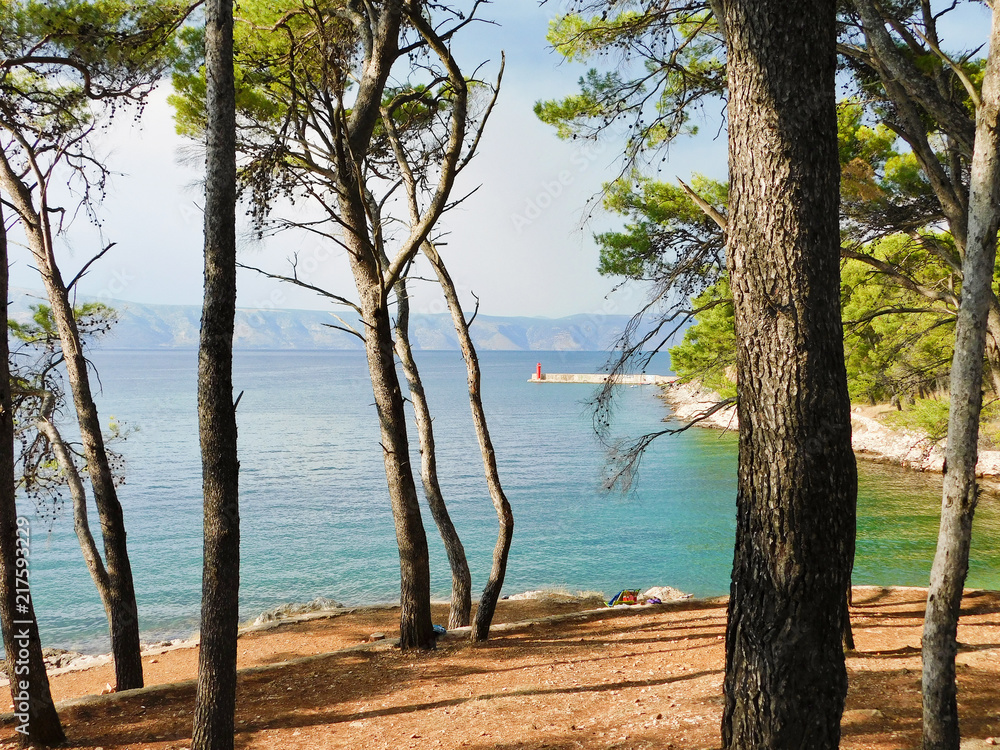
(641, 677)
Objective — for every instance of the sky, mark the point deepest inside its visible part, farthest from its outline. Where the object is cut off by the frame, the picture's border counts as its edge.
(519, 242)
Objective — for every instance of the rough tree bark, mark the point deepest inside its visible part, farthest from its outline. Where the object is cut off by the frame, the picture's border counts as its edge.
(461, 580)
(951, 560)
(505, 516)
(124, 613)
(215, 700)
(416, 627)
(34, 712)
(786, 680)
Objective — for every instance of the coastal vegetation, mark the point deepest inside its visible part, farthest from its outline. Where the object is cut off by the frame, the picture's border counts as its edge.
(919, 218)
(67, 68)
(333, 133)
(849, 254)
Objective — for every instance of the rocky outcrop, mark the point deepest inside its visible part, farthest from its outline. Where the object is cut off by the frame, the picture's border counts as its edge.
(872, 440)
(287, 611)
(690, 402)
(665, 594)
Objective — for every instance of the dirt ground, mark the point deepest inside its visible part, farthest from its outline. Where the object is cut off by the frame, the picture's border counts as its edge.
(647, 677)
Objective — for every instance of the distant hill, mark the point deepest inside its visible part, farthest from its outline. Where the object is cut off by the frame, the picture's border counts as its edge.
(176, 327)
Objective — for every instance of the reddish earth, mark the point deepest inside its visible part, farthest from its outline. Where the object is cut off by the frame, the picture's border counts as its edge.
(639, 678)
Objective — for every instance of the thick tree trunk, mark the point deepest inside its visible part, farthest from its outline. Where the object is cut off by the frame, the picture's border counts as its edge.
(786, 680)
(215, 700)
(505, 516)
(461, 580)
(36, 720)
(951, 561)
(124, 614)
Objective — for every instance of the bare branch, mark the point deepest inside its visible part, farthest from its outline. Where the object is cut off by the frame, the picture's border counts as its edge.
(82, 272)
(298, 282)
(346, 328)
(705, 206)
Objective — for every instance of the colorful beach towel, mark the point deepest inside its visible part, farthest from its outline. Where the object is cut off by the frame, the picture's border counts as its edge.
(625, 596)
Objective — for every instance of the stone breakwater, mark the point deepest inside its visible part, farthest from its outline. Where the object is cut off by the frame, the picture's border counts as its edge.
(601, 378)
(871, 439)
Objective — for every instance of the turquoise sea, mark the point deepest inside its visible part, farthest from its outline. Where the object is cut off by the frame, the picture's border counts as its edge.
(315, 513)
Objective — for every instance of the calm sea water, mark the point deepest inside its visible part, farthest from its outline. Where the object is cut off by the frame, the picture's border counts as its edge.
(315, 513)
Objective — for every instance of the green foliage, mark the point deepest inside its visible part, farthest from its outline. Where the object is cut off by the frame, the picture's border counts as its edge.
(580, 39)
(188, 99)
(37, 388)
(896, 348)
(928, 416)
(296, 65)
(66, 67)
(590, 104)
(92, 318)
(882, 187)
(38, 391)
(670, 61)
(61, 53)
(897, 343)
(708, 352)
(667, 238)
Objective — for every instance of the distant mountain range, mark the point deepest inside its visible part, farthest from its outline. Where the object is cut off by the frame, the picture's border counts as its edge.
(176, 327)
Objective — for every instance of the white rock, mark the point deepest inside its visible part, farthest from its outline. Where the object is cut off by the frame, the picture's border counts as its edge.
(665, 594)
(285, 611)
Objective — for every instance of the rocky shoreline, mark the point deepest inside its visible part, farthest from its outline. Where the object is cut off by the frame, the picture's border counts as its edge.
(872, 440)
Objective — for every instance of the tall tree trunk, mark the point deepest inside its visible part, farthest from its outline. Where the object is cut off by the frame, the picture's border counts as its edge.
(215, 700)
(416, 630)
(461, 580)
(951, 561)
(785, 679)
(124, 614)
(36, 720)
(505, 516)
(415, 627)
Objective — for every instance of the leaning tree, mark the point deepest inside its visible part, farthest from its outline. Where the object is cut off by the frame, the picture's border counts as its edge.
(315, 106)
(34, 711)
(66, 68)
